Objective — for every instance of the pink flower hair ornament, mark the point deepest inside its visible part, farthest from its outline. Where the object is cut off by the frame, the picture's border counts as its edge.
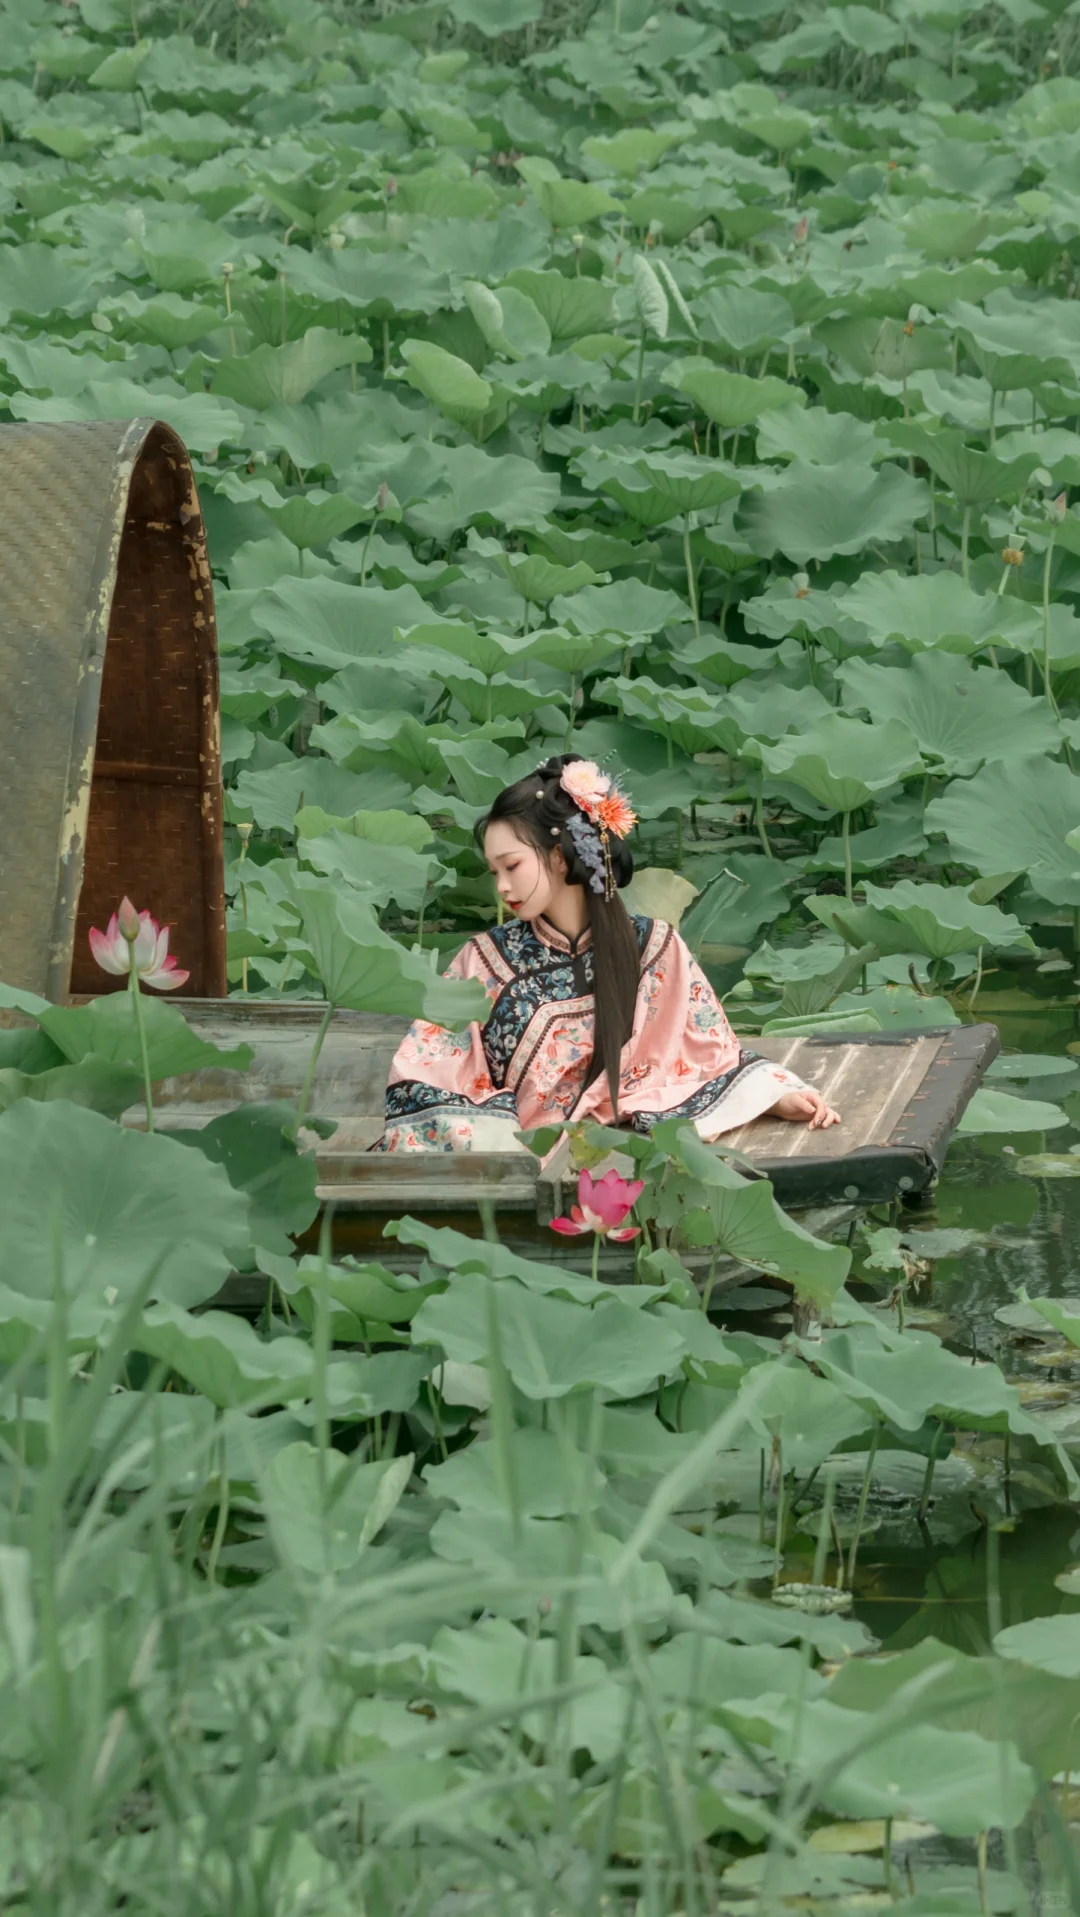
(603, 1204)
(133, 941)
(596, 794)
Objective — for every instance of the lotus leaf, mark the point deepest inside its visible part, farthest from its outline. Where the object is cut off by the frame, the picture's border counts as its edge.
(812, 513)
(1015, 818)
(959, 717)
(843, 763)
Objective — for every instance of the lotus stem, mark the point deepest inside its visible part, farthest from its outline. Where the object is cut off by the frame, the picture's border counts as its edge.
(860, 1515)
(848, 881)
(978, 980)
(140, 1027)
(1076, 943)
(1047, 685)
(965, 532)
(596, 1257)
(245, 830)
(928, 1477)
(691, 587)
(640, 377)
(759, 817)
(385, 346)
(320, 1039)
(367, 547)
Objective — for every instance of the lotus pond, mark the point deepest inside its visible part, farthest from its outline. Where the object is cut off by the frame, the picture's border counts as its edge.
(697, 385)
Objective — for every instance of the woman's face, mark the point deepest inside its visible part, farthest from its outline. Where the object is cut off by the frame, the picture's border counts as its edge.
(527, 883)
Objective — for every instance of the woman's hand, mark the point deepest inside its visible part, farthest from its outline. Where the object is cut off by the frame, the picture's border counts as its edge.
(806, 1104)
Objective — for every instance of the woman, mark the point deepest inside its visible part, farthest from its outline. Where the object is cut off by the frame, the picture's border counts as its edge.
(594, 1014)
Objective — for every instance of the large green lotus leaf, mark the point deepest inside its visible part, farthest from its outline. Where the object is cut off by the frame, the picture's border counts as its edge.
(510, 321)
(751, 1227)
(360, 1498)
(732, 399)
(655, 487)
(286, 374)
(96, 1083)
(685, 715)
(743, 319)
(816, 437)
(937, 609)
(1010, 352)
(480, 768)
(722, 661)
(957, 1780)
(397, 744)
(841, 762)
(105, 1210)
(959, 717)
(191, 137)
(223, 1357)
(167, 321)
(992, 1111)
(364, 970)
(815, 512)
(488, 652)
(574, 652)
(201, 421)
(571, 308)
(180, 255)
(810, 1417)
(384, 828)
(977, 479)
(382, 871)
(907, 1381)
(764, 710)
(883, 349)
(628, 606)
(898, 1008)
(105, 1028)
(1014, 818)
(1050, 1643)
(447, 381)
(859, 924)
(256, 1145)
(474, 484)
(374, 282)
(271, 797)
(941, 919)
(315, 517)
(571, 202)
(493, 1665)
(899, 837)
(331, 624)
(494, 17)
(632, 150)
(550, 1347)
(539, 580)
(37, 280)
(456, 1251)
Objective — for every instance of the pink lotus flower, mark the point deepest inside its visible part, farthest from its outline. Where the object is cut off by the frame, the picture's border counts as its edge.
(602, 1205)
(134, 941)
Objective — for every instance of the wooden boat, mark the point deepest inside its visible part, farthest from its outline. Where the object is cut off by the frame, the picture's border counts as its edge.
(900, 1095)
(108, 701)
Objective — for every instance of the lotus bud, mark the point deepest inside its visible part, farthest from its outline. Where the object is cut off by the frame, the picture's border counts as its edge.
(579, 241)
(1012, 555)
(382, 498)
(1056, 509)
(101, 322)
(336, 240)
(1040, 477)
(210, 455)
(128, 921)
(891, 165)
(228, 269)
(801, 230)
(801, 583)
(391, 186)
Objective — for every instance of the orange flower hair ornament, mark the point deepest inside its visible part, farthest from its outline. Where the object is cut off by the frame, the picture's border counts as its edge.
(606, 809)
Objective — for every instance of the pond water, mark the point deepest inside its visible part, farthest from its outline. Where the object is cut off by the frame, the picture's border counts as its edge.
(913, 1583)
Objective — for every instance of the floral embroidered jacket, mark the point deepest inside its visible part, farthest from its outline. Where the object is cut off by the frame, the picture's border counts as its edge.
(527, 1065)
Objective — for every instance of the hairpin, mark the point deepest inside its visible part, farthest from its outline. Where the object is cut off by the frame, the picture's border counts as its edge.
(606, 811)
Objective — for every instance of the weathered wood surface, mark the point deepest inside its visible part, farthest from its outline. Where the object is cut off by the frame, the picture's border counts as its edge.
(900, 1096)
(108, 701)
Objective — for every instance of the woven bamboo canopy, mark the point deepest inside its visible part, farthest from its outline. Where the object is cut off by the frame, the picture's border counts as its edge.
(108, 702)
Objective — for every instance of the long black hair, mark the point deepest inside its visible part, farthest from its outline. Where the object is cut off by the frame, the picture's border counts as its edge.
(540, 811)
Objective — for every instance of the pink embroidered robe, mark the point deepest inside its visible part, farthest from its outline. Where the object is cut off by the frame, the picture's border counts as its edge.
(527, 1064)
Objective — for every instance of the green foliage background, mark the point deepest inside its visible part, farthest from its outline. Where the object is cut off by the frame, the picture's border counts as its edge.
(698, 386)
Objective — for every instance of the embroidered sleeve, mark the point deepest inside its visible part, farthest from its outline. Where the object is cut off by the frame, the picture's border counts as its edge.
(440, 1096)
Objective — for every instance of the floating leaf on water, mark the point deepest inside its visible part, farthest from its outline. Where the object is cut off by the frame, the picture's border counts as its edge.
(818, 1600)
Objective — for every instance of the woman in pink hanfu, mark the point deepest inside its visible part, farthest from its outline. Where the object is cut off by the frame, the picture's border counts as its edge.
(594, 1013)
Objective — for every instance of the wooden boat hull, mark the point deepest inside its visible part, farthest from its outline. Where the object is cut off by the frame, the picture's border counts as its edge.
(900, 1096)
